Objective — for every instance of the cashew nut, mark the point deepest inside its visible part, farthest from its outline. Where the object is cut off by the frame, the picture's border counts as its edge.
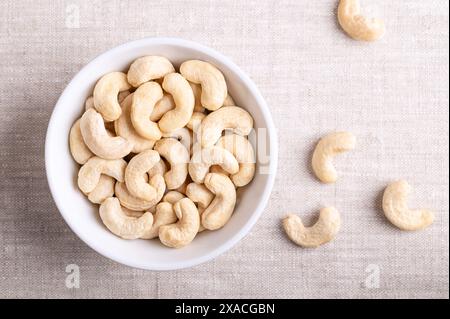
(124, 128)
(203, 159)
(197, 90)
(89, 174)
(323, 231)
(356, 25)
(103, 190)
(143, 102)
(183, 135)
(148, 68)
(182, 232)
(178, 157)
(199, 194)
(396, 209)
(229, 101)
(80, 152)
(195, 121)
(227, 117)
(159, 168)
(162, 107)
(164, 215)
(243, 151)
(183, 97)
(172, 197)
(99, 141)
(131, 202)
(121, 224)
(106, 94)
(214, 87)
(326, 149)
(89, 103)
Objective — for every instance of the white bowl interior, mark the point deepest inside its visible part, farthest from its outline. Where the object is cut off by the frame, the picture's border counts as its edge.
(82, 216)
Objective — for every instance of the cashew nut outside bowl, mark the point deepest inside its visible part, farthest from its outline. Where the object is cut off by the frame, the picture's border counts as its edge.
(82, 216)
(396, 209)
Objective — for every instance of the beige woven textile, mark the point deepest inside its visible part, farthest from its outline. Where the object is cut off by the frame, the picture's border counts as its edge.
(392, 94)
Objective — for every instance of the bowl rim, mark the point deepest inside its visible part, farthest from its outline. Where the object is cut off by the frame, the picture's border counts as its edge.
(273, 156)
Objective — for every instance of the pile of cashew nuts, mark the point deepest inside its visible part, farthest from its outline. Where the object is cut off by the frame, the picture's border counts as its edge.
(163, 152)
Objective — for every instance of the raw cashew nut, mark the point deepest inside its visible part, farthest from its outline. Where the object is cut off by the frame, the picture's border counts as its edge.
(124, 128)
(143, 102)
(357, 26)
(396, 209)
(197, 90)
(199, 194)
(148, 68)
(131, 202)
(228, 117)
(183, 232)
(103, 190)
(214, 87)
(326, 149)
(203, 159)
(183, 97)
(105, 94)
(217, 214)
(243, 151)
(323, 231)
(183, 135)
(80, 152)
(172, 197)
(99, 141)
(178, 157)
(136, 173)
(89, 174)
(164, 215)
(195, 121)
(121, 224)
(159, 168)
(89, 104)
(162, 107)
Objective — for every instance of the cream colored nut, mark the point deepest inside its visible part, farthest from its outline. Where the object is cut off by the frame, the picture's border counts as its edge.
(122, 225)
(159, 168)
(202, 160)
(99, 141)
(396, 209)
(143, 102)
(162, 107)
(356, 25)
(124, 128)
(164, 215)
(136, 173)
(106, 94)
(229, 101)
(217, 214)
(326, 149)
(197, 90)
(184, 231)
(219, 170)
(178, 157)
(243, 151)
(182, 189)
(195, 121)
(131, 202)
(183, 135)
(172, 197)
(80, 152)
(89, 174)
(323, 231)
(89, 103)
(103, 190)
(148, 68)
(183, 97)
(213, 85)
(198, 193)
(226, 118)
(132, 213)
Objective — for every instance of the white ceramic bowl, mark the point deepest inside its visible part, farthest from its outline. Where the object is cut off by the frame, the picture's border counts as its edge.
(82, 216)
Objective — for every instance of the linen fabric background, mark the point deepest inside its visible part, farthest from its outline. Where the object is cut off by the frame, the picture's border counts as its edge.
(392, 94)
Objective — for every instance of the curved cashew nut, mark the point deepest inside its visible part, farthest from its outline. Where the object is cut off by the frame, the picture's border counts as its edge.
(172, 197)
(198, 193)
(131, 202)
(178, 157)
(124, 127)
(143, 102)
(183, 97)
(227, 117)
(159, 168)
(89, 174)
(162, 107)
(99, 141)
(80, 152)
(183, 135)
(326, 149)
(164, 215)
(243, 151)
(136, 173)
(195, 121)
(217, 214)
(323, 231)
(103, 190)
(106, 94)
(214, 87)
(121, 224)
(356, 25)
(203, 159)
(197, 90)
(396, 209)
(148, 68)
(182, 232)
